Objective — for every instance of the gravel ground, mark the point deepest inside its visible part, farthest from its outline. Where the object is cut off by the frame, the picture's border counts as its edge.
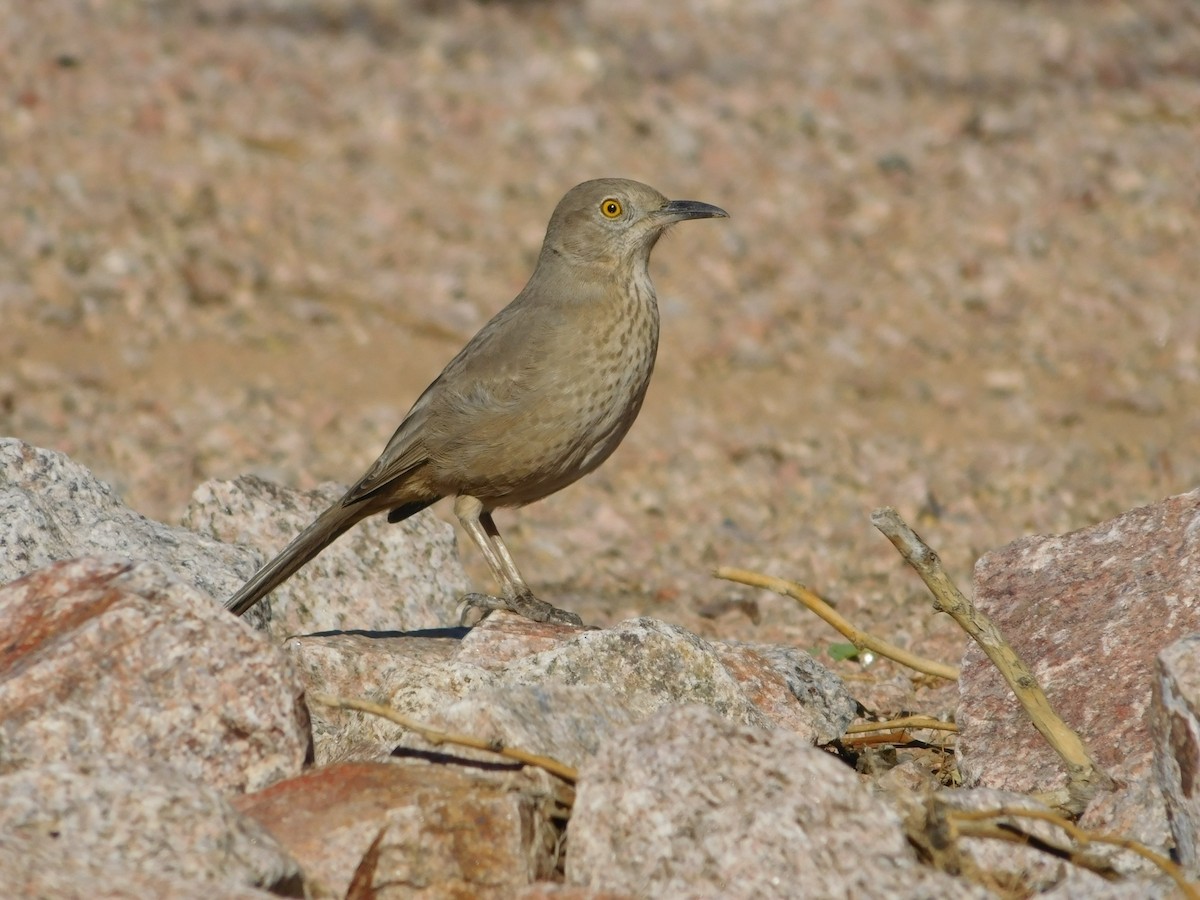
(960, 275)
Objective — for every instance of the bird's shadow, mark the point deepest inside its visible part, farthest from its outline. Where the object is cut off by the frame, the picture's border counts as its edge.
(457, 633)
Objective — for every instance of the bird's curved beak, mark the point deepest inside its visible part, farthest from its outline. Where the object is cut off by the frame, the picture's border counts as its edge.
(681, 210)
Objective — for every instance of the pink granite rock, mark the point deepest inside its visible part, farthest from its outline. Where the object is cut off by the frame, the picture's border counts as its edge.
(116, 657)
(445, 830)
(1088, 612)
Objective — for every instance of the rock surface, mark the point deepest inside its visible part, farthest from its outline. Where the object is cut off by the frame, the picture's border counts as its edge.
(52, 508)
(376, 577)
(690, 749)
(31, 869)
(441, 831)
(631, 669)
(688, 804)
(124, 817)
(1088, 611)
(1175, 725)
(107, 656)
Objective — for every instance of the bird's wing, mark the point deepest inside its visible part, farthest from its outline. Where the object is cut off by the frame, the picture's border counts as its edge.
(487, 374)
(403, 453)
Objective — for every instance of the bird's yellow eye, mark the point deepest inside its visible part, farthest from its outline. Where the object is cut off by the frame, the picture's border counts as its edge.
(610, 208)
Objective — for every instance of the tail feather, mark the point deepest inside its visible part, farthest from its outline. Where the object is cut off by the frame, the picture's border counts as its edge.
(326, 529)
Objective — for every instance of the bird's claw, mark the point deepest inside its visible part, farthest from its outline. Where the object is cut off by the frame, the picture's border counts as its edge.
(523, 604)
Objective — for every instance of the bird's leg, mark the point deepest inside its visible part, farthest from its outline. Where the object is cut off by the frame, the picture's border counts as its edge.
(515, 593)
(512, 573)
(470, 513)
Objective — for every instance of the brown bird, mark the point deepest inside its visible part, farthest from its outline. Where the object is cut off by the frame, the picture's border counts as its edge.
(540, 397)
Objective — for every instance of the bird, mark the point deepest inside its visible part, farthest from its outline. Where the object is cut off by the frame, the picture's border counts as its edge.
(538, 398)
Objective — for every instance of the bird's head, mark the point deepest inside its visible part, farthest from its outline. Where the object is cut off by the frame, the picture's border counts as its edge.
(615, 222)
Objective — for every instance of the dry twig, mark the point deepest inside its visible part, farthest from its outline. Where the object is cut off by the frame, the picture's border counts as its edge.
(905, 722)
(549, 763)
(987, 823)
(893, 731)
(1085, 777)
(884, 739)
(860, 639)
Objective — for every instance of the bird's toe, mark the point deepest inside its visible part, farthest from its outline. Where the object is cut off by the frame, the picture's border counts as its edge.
(523, 604)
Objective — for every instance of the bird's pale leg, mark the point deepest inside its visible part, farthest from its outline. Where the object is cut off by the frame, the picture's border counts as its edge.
(469, 511)
(512, 573)
(516, 595)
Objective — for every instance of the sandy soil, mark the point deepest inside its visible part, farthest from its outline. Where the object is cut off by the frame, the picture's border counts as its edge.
(960, 277)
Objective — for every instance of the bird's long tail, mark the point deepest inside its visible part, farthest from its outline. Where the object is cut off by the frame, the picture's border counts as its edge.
(326, 529)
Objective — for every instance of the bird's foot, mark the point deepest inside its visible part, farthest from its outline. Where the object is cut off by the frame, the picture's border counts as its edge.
(523, 604)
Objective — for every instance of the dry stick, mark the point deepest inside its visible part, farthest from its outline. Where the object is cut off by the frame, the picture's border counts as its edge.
(860, 639)
(1085, 776)
(905, 722)
(996, 831)
(888, 738)
(1080, 835)
(864, 733)
(435, 737)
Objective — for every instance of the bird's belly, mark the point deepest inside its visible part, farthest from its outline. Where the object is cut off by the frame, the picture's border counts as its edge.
(537, 448)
